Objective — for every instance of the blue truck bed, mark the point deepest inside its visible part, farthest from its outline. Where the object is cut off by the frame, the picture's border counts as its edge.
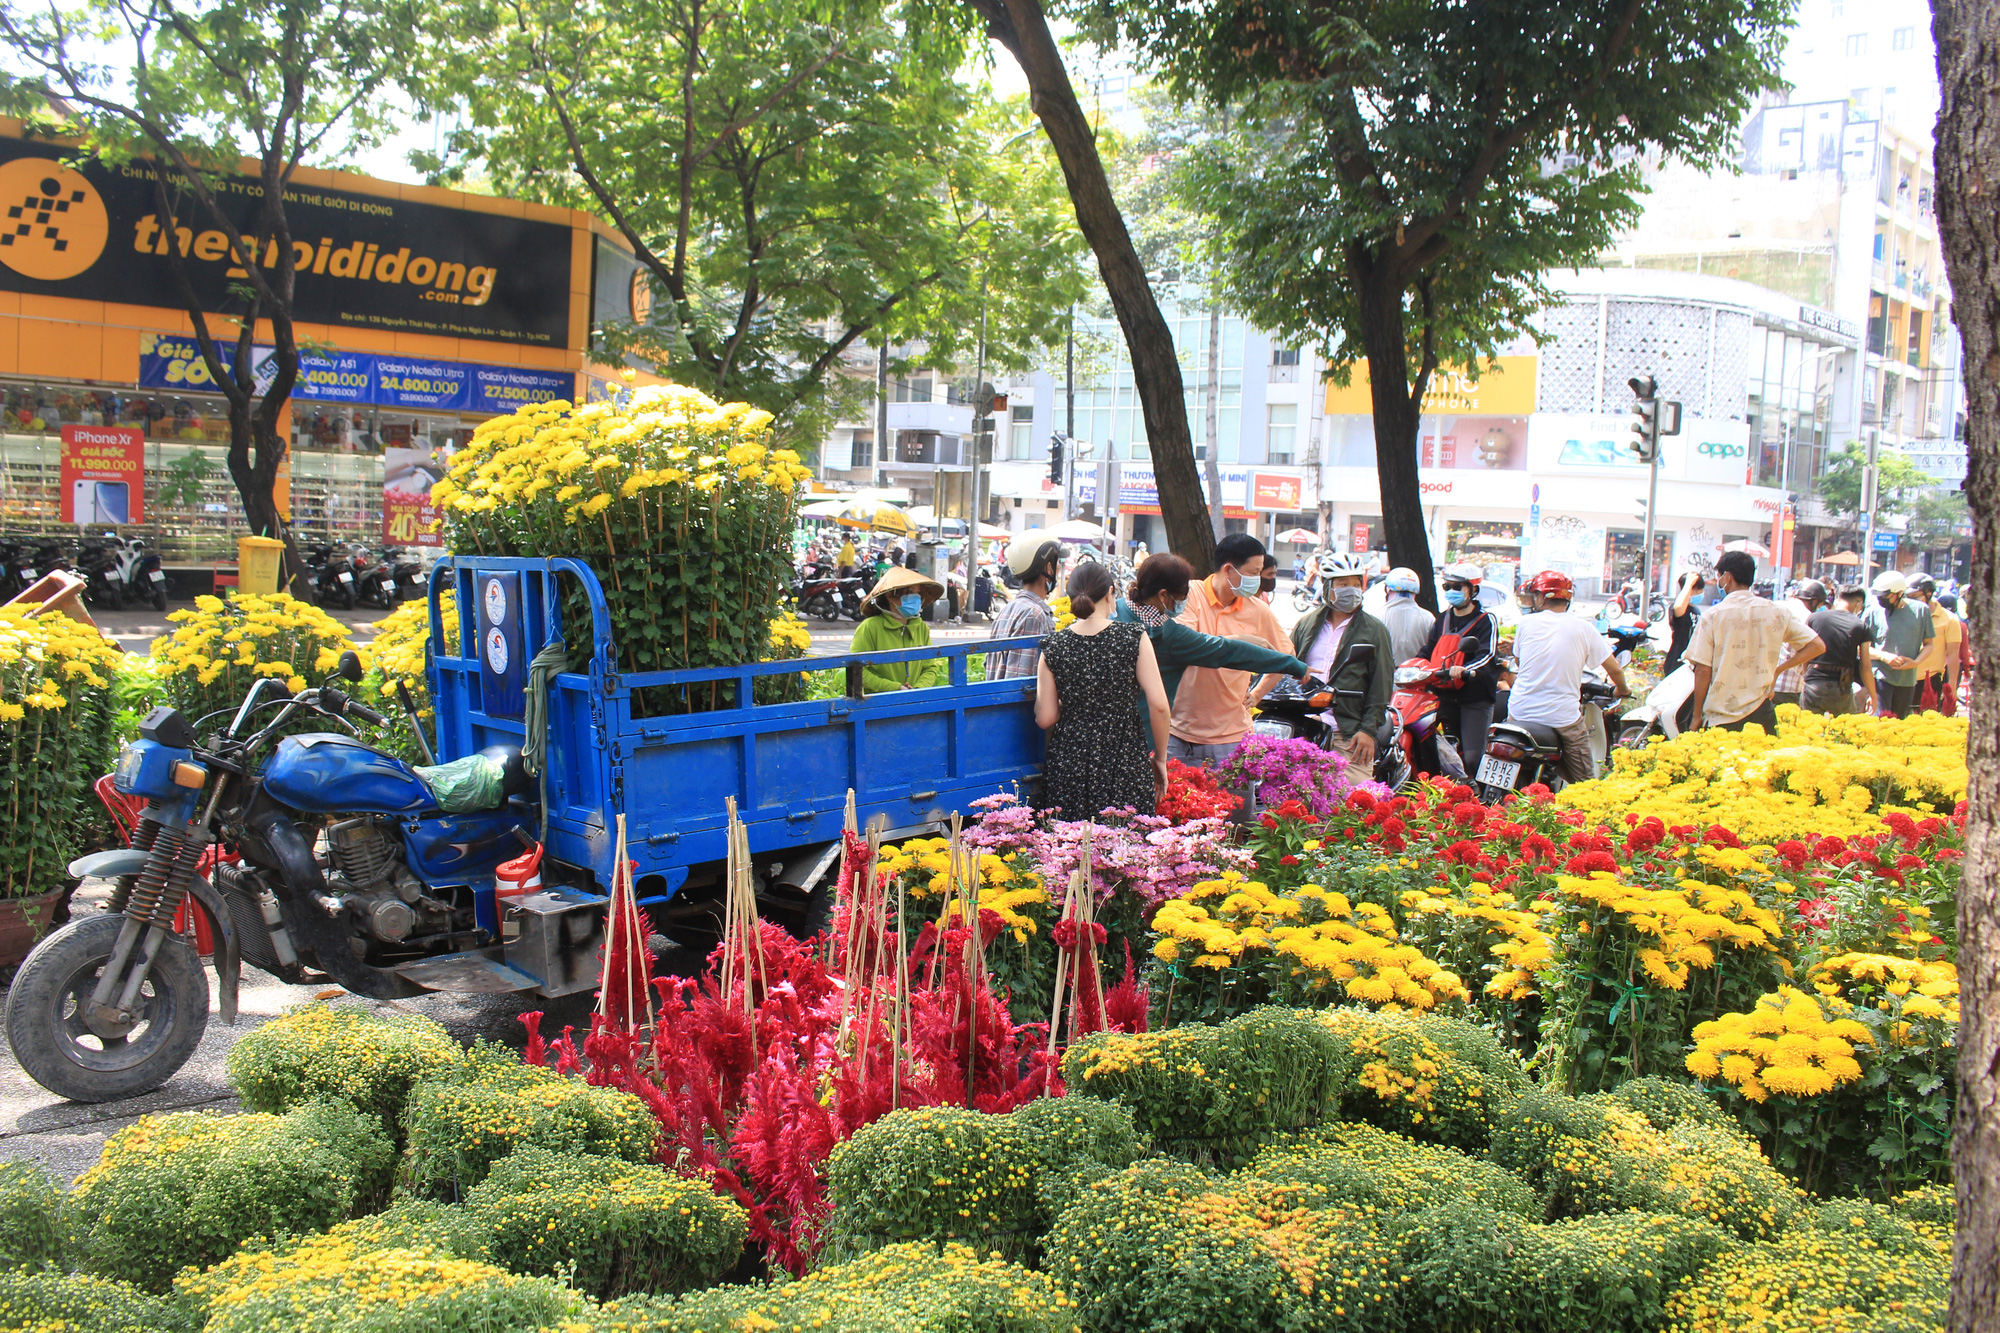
(911, 755)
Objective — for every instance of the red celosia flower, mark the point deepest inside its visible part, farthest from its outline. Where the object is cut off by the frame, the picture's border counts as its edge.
(1288, 860)
(1590, 863)
(1464, 852)
(1536, 847)
(1793, 853)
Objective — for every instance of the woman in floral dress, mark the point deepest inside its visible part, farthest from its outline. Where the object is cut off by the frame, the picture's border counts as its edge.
(1090, 676)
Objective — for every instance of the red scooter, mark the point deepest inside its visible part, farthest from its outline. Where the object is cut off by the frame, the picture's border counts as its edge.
(1414, 729)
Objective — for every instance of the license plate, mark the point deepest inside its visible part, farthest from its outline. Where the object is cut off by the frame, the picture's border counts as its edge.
(157, 577)
(28, 575)
(346, 577)
(1498, 772)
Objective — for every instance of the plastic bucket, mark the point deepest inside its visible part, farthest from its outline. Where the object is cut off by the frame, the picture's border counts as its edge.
(513, 881)
(258, 560)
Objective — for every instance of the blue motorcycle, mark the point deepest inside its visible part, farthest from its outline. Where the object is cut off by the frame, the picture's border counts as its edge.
(314, 856)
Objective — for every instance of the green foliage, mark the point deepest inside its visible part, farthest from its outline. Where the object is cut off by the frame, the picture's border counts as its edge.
(181, 487)
(1594, 1156)
(30, 1216)
(1425, 1075)
(1667, 1102)
(942, 1173)
(179, 1190)
(1359, 1166)
(363, 1056)
(1166, 1248)
(1931, 1206)
(1410, 148)
(1216, 1093)
(458, 1127)
(759, 194)
(1829, 1278)
(1897, 480)
(1472, 1270)
(905, 1288)
(608, 1227)
(364, 1278)
(57, 736)
(52, 1302)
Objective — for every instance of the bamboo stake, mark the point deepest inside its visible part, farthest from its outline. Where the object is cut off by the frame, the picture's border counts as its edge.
(900, 1020)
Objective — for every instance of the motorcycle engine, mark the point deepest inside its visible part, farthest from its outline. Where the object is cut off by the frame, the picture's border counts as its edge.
(365, 871)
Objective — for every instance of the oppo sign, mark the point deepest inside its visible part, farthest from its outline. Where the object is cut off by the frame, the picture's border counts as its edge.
(1718, 449)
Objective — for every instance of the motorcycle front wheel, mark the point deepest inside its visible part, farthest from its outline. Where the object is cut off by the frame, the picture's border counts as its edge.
(49, 1032)
(159, 597)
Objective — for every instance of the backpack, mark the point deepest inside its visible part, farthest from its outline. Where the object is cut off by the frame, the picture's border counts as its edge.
(1450, 651)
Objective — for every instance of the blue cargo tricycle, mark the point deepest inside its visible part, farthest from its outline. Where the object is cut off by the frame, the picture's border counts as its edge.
(319, 857)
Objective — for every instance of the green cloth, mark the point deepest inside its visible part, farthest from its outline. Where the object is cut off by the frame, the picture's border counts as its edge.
(877, 635)
(1176, 648)
(1372, 680)
(1904, 632)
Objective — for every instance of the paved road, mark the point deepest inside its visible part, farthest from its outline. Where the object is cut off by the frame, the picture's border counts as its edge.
(68, 1136)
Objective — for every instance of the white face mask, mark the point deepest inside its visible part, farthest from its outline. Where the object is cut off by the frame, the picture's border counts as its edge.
(1344, 600)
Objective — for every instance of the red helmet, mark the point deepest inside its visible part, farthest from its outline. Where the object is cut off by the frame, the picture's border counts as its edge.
(1550, 583)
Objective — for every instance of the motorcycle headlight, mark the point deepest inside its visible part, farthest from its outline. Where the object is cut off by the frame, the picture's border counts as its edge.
(1412, 675)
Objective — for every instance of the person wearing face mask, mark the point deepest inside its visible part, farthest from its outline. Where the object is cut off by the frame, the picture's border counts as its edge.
(1326, 637)
(1902, 629)
(893, 616)
(1156, 600)
(1213, 710)
(1464, 653)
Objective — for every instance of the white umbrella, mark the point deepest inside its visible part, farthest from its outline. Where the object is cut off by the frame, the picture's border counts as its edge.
(1298, 537)
(1077, 530)
(826, 508)
(1751, 548)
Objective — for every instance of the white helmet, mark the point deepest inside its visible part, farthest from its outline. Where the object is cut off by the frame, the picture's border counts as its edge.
(1027, 554)
(1464, 573)
(1401, 579)
(1890, 580)
(1343, 565)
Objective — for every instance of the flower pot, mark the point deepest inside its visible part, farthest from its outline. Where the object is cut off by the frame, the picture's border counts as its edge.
(24, 921)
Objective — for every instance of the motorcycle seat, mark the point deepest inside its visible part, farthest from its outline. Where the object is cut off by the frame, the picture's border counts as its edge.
(1544, 735)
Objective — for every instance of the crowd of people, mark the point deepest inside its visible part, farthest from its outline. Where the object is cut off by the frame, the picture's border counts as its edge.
(1174, 667)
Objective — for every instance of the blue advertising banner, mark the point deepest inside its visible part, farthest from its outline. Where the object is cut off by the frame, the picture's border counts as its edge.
(439, 385)
(173, 363)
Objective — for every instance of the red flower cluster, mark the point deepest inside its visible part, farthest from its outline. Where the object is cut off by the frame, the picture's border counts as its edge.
(1193, 793)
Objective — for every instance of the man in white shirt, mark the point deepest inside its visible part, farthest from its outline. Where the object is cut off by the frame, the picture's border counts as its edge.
(1741, 647)
(1554, 649)
(1409, 624)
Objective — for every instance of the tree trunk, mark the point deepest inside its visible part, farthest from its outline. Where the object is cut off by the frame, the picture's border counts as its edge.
(255, 452)
(1397, 415)
(1211, 397)
(1023, 28)
(1968, 210)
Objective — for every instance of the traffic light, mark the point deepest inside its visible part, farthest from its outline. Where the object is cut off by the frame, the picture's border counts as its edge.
(1643, 437)
(1056, 443)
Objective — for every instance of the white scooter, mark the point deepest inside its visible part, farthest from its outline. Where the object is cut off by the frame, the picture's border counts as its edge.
(1667, 711)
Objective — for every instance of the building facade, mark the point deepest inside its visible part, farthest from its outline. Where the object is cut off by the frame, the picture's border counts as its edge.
(420, 312)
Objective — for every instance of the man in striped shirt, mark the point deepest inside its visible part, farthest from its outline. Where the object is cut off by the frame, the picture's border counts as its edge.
(1032, 558)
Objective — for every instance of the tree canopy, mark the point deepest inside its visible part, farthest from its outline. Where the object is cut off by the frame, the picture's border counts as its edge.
(1898, 484)
(197, 90)
(795, 179)
(1397, 178)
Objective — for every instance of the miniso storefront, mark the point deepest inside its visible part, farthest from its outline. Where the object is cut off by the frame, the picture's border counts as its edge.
(422, 312)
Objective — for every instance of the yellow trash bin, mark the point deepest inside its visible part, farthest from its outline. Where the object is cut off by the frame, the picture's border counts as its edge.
(257, 563)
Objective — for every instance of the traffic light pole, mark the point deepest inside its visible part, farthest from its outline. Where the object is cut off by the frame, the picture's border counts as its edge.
(1652, 510)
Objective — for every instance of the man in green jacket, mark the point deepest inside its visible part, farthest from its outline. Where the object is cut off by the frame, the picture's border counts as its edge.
(893, 616)
(1326, 638)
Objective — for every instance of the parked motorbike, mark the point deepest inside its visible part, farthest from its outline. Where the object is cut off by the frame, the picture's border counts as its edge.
(409, 572)
(1667, 711)
(332, 575)
(356, 870)
(119, 570)
(1294, 709)
(818, 593)
(1520, 754)
(374, 580)
(1625, 602)
(1627, 636)
(851, 591)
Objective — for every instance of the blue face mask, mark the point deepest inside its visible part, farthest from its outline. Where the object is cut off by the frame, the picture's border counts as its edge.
(912, 604)
(1180, 609)
(1249, 585)
(1454, 597)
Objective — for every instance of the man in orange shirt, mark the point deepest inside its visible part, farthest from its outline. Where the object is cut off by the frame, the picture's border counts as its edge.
(1213, 709)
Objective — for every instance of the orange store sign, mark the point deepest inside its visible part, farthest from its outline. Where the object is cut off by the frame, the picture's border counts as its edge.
(1277, 490)
(1504, 387)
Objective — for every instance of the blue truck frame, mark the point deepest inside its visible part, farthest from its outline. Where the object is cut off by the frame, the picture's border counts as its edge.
(912, 756)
